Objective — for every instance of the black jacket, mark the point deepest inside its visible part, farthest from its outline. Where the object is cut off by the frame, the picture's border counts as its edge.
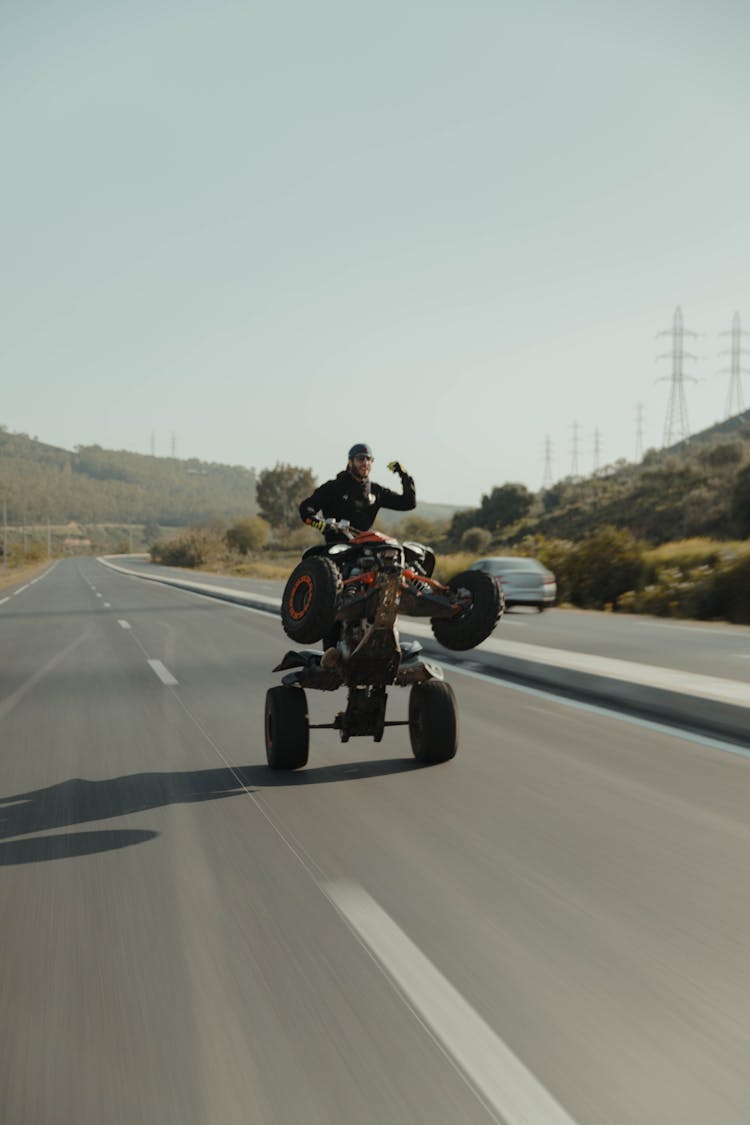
(345, 498)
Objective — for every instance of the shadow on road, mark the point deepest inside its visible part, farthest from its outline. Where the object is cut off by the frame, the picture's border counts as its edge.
(42, 848)
(79, 801)
(260, 777)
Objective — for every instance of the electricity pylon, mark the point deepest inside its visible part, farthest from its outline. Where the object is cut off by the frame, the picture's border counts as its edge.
(547, 478)
(639, 431)
(597, 450)
(676, 427)
(574, 451)
(735, 404)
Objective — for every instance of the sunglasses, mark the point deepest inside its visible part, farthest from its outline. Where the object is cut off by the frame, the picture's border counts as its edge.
(362, 457)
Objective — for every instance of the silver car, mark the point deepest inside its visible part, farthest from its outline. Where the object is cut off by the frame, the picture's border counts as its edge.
(523, 581)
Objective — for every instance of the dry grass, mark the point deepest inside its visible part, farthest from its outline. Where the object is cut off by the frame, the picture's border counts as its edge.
(251, 568)
(12, 574)
(689, 553)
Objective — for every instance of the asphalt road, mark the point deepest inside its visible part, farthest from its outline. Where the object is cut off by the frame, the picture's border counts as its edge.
(551, 928)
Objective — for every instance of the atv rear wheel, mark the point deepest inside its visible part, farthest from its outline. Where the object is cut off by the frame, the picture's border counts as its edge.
(287, 728)
(309, 602)
(477, 619)
(433, 722)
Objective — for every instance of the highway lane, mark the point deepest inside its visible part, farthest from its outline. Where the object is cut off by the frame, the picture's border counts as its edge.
(172, 947)
(706, 648)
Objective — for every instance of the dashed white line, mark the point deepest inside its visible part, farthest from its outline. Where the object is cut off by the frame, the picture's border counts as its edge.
(107, 605)
(4, 600)
(20, 590)
(163, 673)
(124, 624)
(499, 1076)
(100, 595)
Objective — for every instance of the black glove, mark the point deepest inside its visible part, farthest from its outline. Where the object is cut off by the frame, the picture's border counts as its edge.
(397, 467)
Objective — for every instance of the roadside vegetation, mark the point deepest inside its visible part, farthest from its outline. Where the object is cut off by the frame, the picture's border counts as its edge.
(667, 536)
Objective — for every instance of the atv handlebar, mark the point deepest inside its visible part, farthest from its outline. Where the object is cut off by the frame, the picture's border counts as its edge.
(334, 525)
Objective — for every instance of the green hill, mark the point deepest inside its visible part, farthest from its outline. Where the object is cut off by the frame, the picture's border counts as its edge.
(699, 487)
(696, 488)
(93, 485)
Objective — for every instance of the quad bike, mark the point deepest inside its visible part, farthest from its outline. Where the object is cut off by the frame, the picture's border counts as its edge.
(351, 593)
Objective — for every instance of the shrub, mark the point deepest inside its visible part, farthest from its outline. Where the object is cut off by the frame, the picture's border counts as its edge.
(193, 549)
(732, 591)
(602, 566)
(476, 539)
(247, 535)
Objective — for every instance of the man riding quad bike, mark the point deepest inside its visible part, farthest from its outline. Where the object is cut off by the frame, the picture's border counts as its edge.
(350, 591)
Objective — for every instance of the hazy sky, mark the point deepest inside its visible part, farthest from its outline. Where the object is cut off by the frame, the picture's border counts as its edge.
(449, 229)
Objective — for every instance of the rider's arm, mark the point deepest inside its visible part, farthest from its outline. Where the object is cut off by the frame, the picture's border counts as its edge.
(310, 507)
(405, 502)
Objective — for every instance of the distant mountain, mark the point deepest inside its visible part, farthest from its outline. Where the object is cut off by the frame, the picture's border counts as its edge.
(433, 513)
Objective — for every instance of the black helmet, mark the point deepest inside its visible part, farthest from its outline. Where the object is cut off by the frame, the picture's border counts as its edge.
(360, 450)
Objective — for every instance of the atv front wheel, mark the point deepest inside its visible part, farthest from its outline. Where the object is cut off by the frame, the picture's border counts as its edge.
(287, 728)
(433, 722)
(477, 618)
(308, 605)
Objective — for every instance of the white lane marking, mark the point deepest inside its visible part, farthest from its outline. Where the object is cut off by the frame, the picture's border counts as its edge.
(107, 605)
(163, 673)
(4, 600)
(502, 1080)
(100, 595)
(124, 624)
(20, 590)
(607, 712)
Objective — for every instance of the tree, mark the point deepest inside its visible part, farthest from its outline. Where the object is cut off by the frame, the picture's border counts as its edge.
(151, 532)
(279, 492)
(506, 504)
(247, 535)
